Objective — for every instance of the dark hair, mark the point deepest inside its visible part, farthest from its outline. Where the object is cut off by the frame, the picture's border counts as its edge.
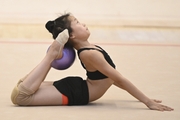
(58, 25)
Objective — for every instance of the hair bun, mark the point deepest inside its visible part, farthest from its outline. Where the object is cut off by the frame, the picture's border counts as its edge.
(50, 26)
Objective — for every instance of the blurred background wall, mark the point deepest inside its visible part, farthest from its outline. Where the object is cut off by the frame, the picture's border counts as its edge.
(26, 18)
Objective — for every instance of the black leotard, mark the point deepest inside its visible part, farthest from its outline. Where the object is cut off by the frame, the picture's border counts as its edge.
(96, 75)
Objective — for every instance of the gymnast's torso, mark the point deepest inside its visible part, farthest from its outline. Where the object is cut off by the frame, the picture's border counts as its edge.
(97, 82)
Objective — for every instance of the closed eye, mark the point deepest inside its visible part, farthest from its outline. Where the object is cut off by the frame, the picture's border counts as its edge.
(76, 20)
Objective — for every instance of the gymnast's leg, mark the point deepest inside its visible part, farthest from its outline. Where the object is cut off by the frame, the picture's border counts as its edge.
(38, 74)
(30, 90)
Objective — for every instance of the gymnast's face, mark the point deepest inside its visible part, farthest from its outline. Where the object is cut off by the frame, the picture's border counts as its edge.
(79, 30)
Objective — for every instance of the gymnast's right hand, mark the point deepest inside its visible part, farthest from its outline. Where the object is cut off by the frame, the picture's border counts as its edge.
(63, 37)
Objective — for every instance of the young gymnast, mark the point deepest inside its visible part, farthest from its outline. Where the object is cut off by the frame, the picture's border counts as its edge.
(73, 90)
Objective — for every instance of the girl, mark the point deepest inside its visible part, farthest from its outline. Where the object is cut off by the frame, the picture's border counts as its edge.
(101, 72)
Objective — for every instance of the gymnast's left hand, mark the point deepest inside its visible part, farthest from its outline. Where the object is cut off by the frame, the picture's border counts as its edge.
(154, 104)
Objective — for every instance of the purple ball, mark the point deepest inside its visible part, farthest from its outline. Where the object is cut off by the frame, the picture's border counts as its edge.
(67, 59)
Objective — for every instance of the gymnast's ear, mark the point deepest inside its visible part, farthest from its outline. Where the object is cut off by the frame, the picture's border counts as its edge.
(71, 36)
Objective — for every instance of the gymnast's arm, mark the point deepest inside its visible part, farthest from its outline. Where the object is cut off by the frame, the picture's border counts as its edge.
(96, 59)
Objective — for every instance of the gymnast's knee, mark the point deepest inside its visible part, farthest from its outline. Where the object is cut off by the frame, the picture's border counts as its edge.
(21, 95)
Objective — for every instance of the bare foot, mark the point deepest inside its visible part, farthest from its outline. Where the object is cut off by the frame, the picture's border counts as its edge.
(55, 50)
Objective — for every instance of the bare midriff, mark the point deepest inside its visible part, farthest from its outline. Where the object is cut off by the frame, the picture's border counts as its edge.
(97, 88)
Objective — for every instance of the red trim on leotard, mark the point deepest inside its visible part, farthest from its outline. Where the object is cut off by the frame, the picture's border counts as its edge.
(64, 100)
